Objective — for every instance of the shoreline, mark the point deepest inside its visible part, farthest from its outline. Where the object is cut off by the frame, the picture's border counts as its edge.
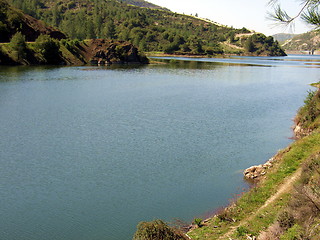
(274, 188)
(253, 175)
(159, 54)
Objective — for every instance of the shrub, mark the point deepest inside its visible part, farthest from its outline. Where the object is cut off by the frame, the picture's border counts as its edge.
(310, 111)
(249, 45)
(71, 5)
(286, 220)
(48, 48)
(225, 215)
(309, 97)
(242, 231)
(171, 48)
(198, 222)
(293, 233)
(157, 230)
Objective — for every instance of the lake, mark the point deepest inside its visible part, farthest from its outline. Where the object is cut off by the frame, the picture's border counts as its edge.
(88, 152)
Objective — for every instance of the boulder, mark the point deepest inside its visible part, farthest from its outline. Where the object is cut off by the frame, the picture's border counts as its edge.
(255, 172)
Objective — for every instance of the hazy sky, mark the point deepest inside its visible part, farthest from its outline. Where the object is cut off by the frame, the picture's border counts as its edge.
(251, 14)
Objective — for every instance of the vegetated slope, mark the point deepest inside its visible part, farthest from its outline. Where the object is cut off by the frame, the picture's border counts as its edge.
(258, 44)
(142, 3)
(303, 42)
(149, 29)
(13, 20)
(46, 50)
(33, 42)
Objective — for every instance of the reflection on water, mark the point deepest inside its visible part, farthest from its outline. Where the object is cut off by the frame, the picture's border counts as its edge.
(88, 152)
(291, 60)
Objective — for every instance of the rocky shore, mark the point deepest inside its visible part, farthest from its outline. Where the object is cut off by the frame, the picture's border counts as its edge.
(258, 171)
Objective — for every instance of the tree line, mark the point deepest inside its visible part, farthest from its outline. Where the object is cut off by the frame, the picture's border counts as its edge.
(149, 29)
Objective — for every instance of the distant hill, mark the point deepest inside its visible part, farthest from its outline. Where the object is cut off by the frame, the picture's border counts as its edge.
(282, 37)
(303, 42)
(141, 3)
(13, 20)
(150, 29)
(26, 40)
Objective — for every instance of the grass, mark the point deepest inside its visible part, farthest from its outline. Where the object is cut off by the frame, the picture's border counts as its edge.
(231, 50)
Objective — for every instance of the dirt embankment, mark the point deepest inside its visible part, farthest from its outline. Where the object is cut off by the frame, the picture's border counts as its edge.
(32, 28)
(104, 52)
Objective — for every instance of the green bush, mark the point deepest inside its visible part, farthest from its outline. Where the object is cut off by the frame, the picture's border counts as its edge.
(171, 48)
(310, 96)
(49, 48)
(157, 230)
(242, 231)
(198, 222)
(293, 233)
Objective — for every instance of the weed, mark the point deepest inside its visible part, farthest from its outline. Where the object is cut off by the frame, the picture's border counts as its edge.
(242, 231)
(293, 233)
(286, 220)
(198, 222)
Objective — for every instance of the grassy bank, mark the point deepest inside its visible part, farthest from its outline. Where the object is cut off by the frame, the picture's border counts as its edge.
(250, 215)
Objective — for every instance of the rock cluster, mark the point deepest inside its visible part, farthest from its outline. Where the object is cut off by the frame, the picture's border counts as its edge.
(300, 132)
(106, 52)
(255, 172)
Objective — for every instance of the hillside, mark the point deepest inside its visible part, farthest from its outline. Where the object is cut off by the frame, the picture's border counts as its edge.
(149, 29)
(33, 42)
(145, 4)
(46, 50)
(303, 42)
(13, 20)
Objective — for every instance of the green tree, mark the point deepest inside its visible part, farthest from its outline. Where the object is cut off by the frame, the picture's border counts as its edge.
(232, 36)
(89, 30)
(249, 45)
(124, 35)
(79, 25)
(48, 48)
(18, 46)
(56, 16)
(111, 30)
(143, 45)
(171, 48)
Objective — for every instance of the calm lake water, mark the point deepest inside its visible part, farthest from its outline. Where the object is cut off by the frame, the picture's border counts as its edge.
(88, 152)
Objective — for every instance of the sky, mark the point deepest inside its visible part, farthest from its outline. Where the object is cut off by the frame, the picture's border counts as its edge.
(251, 14)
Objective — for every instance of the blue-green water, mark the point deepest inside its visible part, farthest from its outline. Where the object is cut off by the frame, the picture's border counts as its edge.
(88, 152)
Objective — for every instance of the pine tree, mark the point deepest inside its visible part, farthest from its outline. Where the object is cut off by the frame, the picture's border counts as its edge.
(18, 46)
(111, 30)
(249, 45)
